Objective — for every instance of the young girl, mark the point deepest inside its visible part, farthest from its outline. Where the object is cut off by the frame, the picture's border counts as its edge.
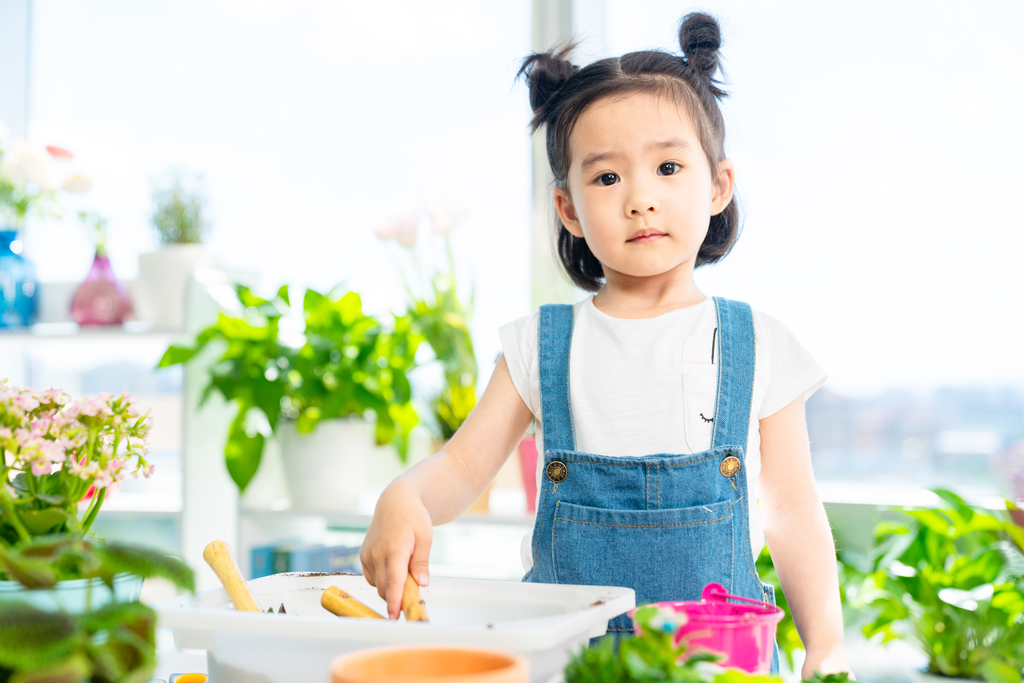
(672, 423)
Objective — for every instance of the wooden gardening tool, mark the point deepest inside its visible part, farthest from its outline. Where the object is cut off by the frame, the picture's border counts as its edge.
(218, 556)
(412, 605)
(337, 601)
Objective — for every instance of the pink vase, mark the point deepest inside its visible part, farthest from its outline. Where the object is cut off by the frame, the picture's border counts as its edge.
(101, 299)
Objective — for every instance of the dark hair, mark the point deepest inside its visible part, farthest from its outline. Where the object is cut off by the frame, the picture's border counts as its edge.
(560, 92)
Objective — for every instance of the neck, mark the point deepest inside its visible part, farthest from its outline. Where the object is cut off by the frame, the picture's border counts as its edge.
(628, 296)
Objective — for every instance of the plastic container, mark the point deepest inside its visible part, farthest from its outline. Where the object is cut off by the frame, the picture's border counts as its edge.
(744, 633)
(429, 665)
(544, 623)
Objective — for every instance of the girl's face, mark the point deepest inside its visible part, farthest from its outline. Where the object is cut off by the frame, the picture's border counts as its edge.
(639, 188)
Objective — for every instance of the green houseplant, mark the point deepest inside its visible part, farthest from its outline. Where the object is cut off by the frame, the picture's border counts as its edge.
(950, 579)
(327, 359)
(68, 608)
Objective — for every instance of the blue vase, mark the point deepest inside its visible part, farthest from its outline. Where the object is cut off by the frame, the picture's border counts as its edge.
(17, 283)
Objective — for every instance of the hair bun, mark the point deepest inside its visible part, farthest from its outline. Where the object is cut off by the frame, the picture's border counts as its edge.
(700, 38)
(546, 73)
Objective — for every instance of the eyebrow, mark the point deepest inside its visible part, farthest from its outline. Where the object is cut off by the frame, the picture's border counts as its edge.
(674, 143)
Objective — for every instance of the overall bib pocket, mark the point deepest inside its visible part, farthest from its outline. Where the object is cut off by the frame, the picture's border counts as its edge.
(662, 554)
(700, 385)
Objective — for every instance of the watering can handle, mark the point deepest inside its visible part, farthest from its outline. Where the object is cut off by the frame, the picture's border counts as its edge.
(716, 592)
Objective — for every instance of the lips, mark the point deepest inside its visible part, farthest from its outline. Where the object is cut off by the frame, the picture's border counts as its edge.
(646, 235)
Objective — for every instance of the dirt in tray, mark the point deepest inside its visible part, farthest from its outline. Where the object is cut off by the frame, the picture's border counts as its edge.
(596, 604)
(314, 574)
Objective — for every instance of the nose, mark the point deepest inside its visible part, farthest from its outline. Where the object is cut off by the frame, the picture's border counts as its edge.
(641, 201)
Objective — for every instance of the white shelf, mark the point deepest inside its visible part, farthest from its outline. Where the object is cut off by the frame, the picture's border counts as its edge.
(70, 330)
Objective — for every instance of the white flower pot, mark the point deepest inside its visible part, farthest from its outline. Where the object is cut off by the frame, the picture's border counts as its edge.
(73, 595)
(328, 469)
(163, 282)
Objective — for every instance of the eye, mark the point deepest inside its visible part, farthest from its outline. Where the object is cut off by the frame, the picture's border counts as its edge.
(607, 179)
(669, 168)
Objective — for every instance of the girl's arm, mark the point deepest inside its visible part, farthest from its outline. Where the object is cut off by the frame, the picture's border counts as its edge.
(441, 488)
(800, 538)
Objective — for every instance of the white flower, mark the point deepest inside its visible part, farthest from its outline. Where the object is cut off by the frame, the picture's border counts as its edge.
(406, 224)
(77, 182)
(25, 164)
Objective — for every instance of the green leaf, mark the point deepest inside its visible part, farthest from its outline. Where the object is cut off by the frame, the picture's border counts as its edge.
(282, 294)
(242, 452)
(47, 520)
(30, 572)
(998, 671)
(31, 638)
(147, 563)
(73, 669)
(176, 354)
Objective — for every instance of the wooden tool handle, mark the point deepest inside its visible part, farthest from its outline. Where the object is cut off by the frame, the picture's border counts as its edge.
(412, 605)
(337, 601)
(218, 556)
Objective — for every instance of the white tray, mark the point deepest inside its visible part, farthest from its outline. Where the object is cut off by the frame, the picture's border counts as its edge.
(546, 623)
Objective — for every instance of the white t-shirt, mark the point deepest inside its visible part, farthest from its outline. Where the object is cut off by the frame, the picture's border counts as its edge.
(645, 386)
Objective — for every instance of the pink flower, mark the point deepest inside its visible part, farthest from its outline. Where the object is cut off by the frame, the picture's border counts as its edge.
(26, 402)
(52, 450)
(148, 471)
(40, 467)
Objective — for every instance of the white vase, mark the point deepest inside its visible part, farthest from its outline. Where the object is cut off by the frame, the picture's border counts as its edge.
(163, 282)
(327, 469)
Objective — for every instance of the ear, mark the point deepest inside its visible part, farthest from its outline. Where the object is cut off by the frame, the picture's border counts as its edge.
(567, 212)
(724, 184)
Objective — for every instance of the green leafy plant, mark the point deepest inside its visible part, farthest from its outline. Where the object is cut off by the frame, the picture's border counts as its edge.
(114, 643)
(439, 314)
(652, 656)
(178, 212)
(325, 360)
(786, 634)
(952, 580)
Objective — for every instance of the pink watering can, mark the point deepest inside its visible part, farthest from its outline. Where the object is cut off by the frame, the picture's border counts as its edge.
(744, 633)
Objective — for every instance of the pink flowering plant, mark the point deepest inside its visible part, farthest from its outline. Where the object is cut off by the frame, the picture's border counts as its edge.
(61, 458)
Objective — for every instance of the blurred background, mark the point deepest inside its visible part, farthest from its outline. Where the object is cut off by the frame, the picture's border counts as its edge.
(877, 148)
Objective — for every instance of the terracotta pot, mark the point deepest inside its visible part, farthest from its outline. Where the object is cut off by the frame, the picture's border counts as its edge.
(433, 664)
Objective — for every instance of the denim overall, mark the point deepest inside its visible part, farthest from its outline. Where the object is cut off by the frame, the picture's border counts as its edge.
(664, 525)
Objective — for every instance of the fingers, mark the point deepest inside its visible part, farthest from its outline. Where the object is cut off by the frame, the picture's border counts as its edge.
(419, 563)
(396, 573)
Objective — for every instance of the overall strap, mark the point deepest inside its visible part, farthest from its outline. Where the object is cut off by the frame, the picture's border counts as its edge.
(554, 339)
(735, 373)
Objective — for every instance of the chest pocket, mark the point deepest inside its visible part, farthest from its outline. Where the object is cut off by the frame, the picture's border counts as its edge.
(700, 386)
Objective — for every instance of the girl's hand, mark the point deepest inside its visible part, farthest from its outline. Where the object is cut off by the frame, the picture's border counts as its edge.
(440, 488)
(396, 544)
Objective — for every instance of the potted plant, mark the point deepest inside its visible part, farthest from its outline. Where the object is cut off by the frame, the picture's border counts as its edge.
(163, 275)
(437, 312)
(950, 579)
(68, 600)
(325, 367)
(27, 186)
